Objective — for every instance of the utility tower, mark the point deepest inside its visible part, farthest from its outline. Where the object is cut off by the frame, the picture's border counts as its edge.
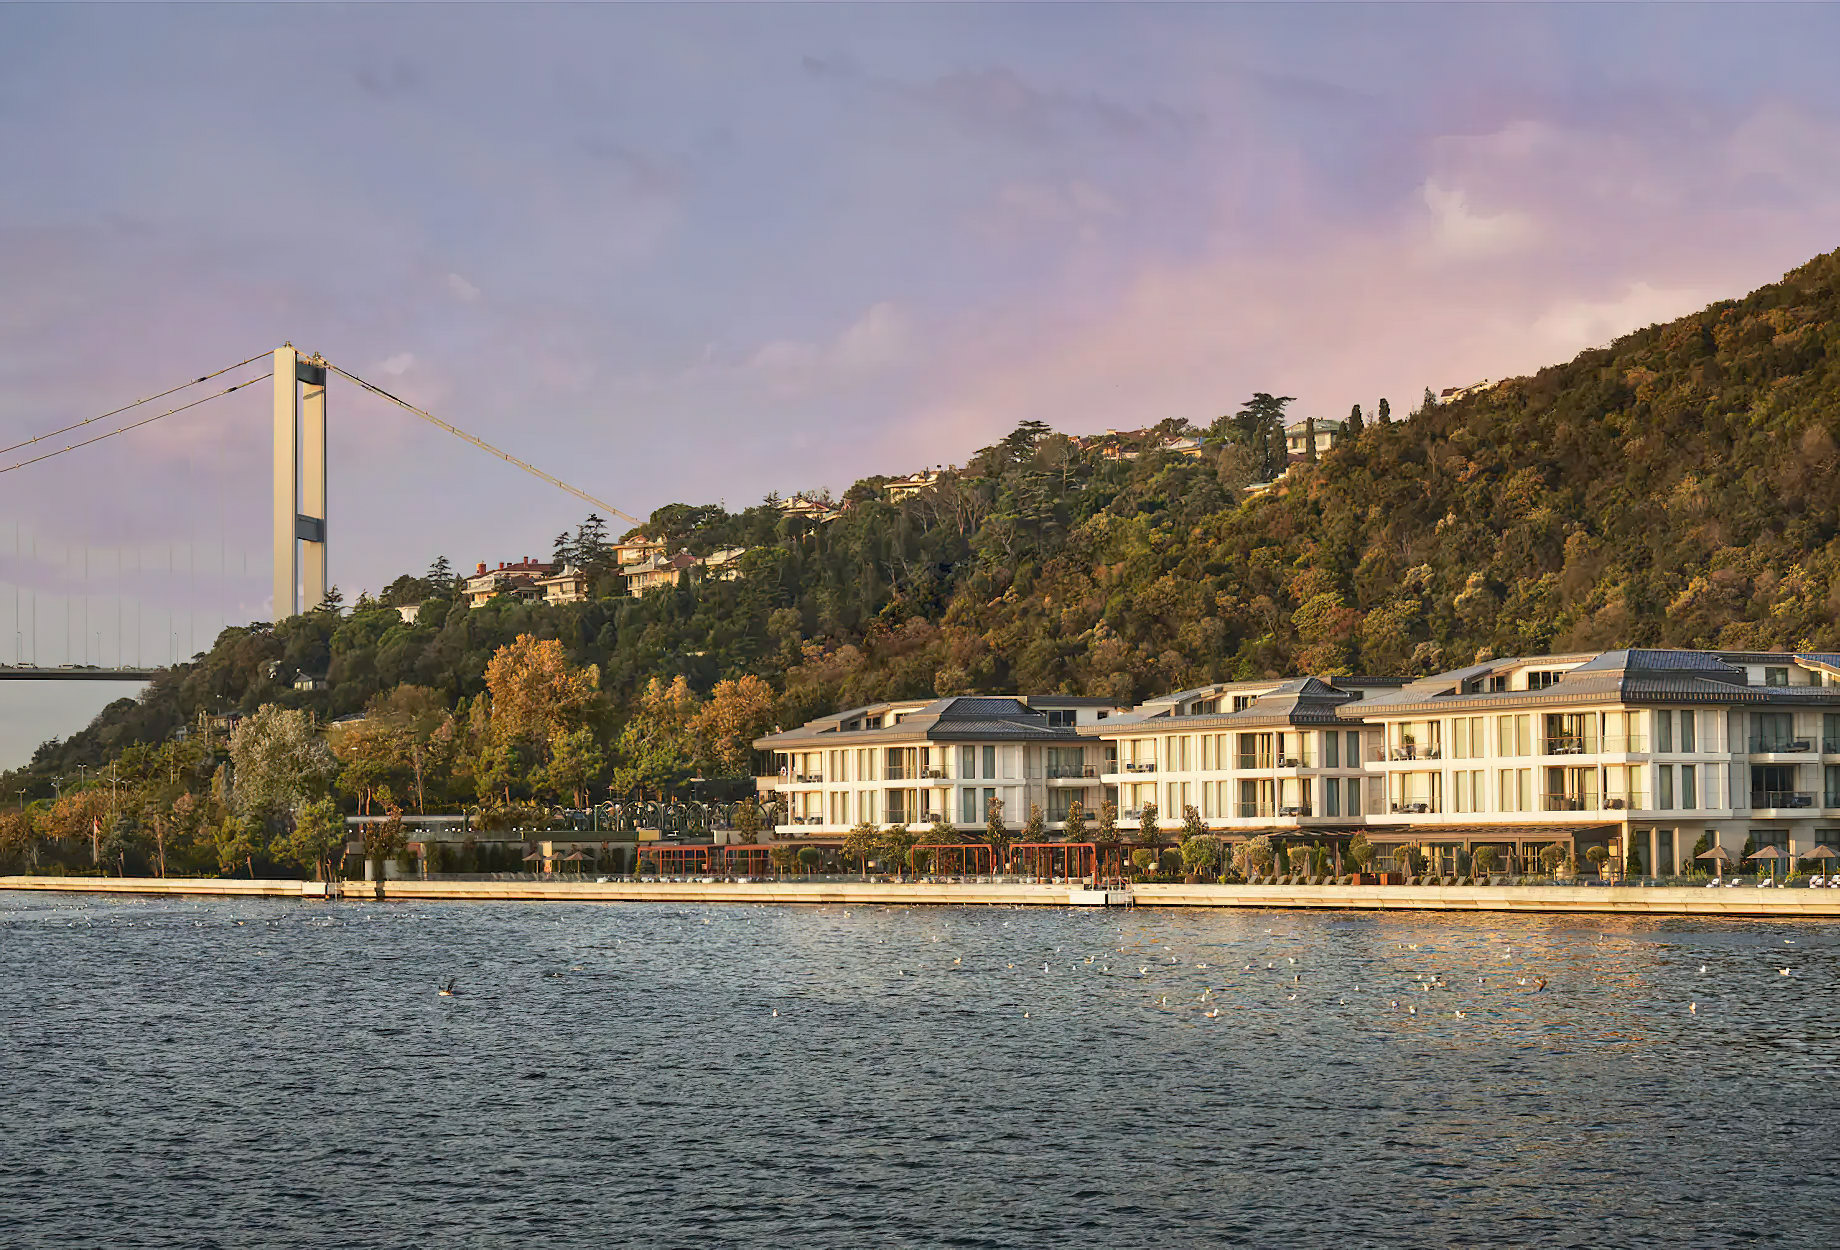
(300, 481)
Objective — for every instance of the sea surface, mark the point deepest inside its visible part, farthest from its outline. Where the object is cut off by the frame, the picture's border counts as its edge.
(254, 1073)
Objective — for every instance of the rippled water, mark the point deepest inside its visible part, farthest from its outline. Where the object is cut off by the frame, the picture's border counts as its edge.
(253, 1073)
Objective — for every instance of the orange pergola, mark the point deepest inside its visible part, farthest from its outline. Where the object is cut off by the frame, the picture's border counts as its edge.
(959, 859)
(1066, 860)
(753, 861)
(674, 859)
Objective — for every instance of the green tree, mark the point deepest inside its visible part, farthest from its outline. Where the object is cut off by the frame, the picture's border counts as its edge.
(1036, 830)
(1384, 413)
(1201, 854)
(239, 840)
(575, 763)
(747, 822)
(861, 844)
(1149, 827)
(383, 840)
(893, 845)
(1354, 422)
(1554, 857)
(996, 833)
(1073, 829)
(317, 842)
(1254, 856)
(1192, 824)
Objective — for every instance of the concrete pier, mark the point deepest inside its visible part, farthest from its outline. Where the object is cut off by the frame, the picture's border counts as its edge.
(1660, 901)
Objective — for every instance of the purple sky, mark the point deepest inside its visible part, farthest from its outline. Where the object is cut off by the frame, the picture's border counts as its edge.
(701, 253)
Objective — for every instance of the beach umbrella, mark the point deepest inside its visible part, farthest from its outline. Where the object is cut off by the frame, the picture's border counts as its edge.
(1769, 852)
(533, 855)
(1719, 856)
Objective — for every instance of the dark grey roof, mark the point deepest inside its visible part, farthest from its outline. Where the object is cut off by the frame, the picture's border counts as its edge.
(961, 718)
(1644, 661)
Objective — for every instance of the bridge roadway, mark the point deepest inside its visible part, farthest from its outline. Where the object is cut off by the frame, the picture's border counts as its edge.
(74, 672)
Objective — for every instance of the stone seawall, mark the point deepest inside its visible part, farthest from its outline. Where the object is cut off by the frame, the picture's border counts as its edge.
(1665, 901)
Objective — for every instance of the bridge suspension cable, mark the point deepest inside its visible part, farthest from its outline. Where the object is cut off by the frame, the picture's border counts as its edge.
(135, 425)
(77, 425)
(481, 443)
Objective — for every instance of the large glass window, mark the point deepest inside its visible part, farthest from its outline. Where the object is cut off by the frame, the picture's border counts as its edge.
(1664, 787)
(1515, 735)
(990, 762)
(968, 813)
(1332, 752)
(1332, 795)
(1354, 747)
(1686, 731)
(1354, 796)
(967, 761)
(1664, 731)
(1689, 786)
(1773, 731)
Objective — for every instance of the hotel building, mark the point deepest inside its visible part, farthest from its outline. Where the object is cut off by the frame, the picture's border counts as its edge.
(1643, 749)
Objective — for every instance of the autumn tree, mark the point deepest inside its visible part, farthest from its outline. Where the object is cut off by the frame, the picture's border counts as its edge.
(1073, 829)
(536, 692)
(725, 727)
(655, 752)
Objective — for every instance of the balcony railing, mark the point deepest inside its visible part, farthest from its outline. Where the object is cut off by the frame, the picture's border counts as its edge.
(1294, 809)
(902, 772)
(1248, 810)
(1139, 766)
(1777, 799)
(1569, 803)
(1570, 744)
(1417, 751)
(810, 779)
(1625, 744)
(1071, 772)
(1626, 802)
(1248, 763)
(1831, 799)
(1770, 745)
(1415, 807)
(1830, 746)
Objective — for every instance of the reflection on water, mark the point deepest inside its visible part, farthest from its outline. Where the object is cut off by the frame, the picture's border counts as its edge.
(251, 1073)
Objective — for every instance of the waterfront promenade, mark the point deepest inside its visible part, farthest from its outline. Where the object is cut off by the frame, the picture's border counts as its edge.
(1656, 901)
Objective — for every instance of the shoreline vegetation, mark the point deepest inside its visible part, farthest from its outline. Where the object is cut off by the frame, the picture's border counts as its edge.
(1517, 520)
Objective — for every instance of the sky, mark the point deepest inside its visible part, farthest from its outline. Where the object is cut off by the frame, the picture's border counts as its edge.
(702, 253)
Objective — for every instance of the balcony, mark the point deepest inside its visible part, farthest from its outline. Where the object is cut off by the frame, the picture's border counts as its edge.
(1136, 766)
(1256, 810)
(1769, 745)
(1625, 744)
(1568, 803)
(1294, 809)
(1251, 763)
(1778, 800)
(1415, 808)
(1072, 772)
(1626, 803)
(1571, 744)
(1413, 751)
(1830, 746)
(810, 779)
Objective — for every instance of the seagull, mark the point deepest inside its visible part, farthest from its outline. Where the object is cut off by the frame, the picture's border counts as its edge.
(1044, 968)
(1144, 970)
(776, 1011)
(1293, 998)
(1214, 1014)
(1702, 970)
(1782, 972)
(958, 960)
(1411, 1008)
(1459, 1015)
(1542, 989)
(447, 991)
(1692, 1009)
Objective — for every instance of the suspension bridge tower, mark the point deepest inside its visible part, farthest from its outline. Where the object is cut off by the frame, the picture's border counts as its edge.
(300, 481)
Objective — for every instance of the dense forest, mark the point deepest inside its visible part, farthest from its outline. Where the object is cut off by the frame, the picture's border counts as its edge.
(1676, 488)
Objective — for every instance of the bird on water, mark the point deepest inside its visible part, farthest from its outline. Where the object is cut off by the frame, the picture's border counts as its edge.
(447, 991)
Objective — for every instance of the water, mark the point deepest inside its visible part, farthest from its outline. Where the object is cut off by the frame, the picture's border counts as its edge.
(246, 1073)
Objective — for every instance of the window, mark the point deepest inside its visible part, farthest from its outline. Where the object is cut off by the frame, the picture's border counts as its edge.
(990, 796)
(1468, 787)
(1664, 788)
(990, 762)
(1664, 731)
(1060, 718)
(1686, 732)
(968, 805)
(1354, 796)
(1332, 757)
(1242, 701)
(1775, 676)
(1775, 731)
(1059, 801)
(1541, 678)
(1689, 786)
(1468, 735)
(967, 761)
(1515, 735)
(1354, 748)
(1332, 796)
